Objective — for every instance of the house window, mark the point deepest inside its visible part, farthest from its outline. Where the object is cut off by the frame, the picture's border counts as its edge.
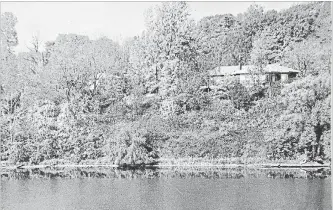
(278, 77)
(292, 75)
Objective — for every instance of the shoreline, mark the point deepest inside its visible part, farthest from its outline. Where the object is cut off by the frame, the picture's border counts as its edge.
(230, 166)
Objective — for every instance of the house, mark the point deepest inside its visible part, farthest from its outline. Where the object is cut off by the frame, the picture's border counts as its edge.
(247, 75)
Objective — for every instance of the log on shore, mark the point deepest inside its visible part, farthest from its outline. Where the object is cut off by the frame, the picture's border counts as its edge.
(56, 166)
(290, 165)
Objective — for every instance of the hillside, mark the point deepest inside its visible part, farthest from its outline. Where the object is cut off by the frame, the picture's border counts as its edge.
(89, 101)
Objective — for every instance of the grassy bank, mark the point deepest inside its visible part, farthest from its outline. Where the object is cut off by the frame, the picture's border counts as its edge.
(163, 172)
(238, 162)
(180, 162)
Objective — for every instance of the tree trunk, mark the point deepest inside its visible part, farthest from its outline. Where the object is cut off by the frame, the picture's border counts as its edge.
(316, 147)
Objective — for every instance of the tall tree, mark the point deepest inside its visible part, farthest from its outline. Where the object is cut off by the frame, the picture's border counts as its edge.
(170, 31)
(213, 34)
(251, 25)
(8, 32)
(266, 49)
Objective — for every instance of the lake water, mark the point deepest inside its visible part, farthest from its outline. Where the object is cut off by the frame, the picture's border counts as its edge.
(174, 188)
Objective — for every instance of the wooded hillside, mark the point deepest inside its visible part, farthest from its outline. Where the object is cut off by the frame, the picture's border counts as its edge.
(136, 102)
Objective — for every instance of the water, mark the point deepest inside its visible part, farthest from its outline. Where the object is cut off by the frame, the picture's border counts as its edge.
(185, 188)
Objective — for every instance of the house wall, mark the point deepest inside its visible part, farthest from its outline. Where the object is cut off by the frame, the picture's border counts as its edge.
(244, 79)
(247, 79)
(216, 80)
(219, 80)
(263, 78)
(284, 77)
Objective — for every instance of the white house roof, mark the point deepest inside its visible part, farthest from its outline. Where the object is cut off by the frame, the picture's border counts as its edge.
(277, 68)
(223, 70)
(235, 70)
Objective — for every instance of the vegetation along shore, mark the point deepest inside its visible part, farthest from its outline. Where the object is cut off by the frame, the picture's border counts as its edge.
(246, 90)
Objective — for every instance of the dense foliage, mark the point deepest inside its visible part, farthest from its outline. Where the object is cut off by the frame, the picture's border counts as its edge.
(83, 99)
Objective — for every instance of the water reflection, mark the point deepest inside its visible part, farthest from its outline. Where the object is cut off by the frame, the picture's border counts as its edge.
(165, 188)
(172, 172)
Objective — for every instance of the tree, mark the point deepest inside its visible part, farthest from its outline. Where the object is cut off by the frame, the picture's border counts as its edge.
(297, 23)
(213, 34)
(309, 57)
(304, 121)
(81, 68)
(266, 49)
(10, 77)
(323, 22)
(143, 72)
(312, 56)
(8, 32)
(36, 59)
(8, 40)
(251, 24)
(170, 31)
